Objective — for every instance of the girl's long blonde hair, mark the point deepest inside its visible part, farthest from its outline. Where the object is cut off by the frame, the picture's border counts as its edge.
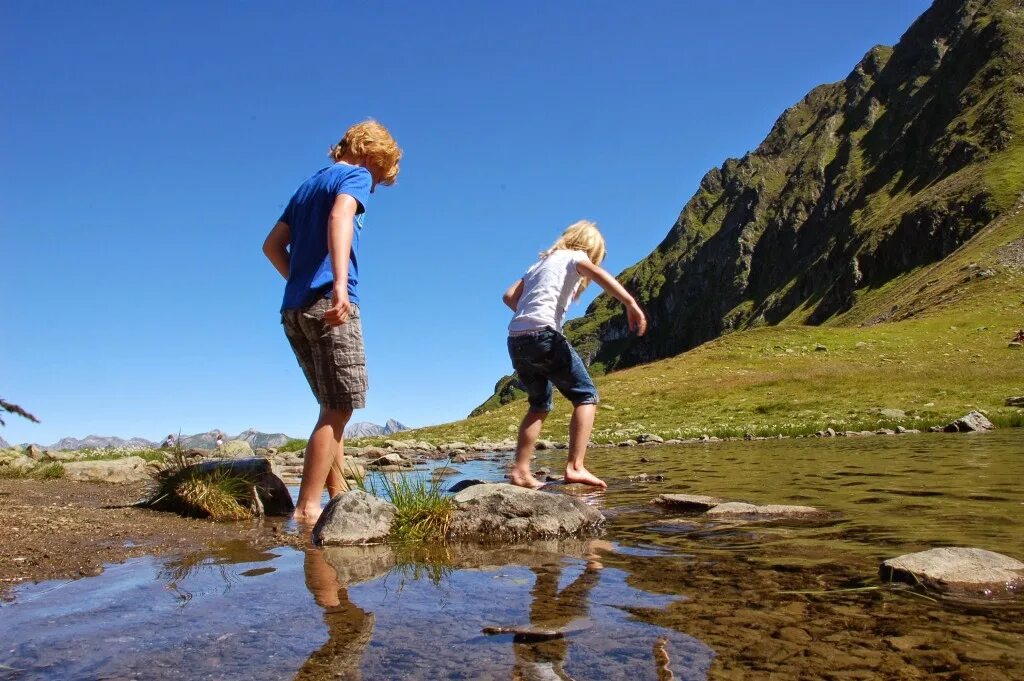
(581, 236)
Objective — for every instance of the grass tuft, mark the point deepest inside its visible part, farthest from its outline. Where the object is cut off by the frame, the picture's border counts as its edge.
(424, 512)
(218, 494)
(44, 471)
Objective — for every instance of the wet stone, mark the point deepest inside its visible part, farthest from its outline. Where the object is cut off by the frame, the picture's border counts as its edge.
(354, 518)
(497, 512)
(969, 571)
(736, 509)
(688, 502)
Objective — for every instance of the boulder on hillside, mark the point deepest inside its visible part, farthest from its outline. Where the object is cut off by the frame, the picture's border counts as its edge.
(354, 517)
(960, 570)
(235, 449)
(970, 423)
(127, 469)
(499, 512)
(1015, 401)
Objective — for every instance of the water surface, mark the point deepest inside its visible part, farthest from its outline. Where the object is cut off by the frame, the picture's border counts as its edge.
(660, 592)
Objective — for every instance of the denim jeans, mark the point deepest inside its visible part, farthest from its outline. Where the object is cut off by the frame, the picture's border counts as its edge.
(545, 358)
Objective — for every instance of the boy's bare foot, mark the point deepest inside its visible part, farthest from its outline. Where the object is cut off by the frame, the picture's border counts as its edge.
(521, 479)
(307, 515)
(582, 475)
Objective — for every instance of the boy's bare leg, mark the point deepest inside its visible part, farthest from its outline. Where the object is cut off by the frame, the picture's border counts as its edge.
(580, 425)
(336, 483)
(529, 431)
(321, 452)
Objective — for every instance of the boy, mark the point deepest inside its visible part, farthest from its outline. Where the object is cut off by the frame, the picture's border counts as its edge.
(315, 247)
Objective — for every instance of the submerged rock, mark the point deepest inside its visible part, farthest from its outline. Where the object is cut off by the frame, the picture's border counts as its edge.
(126, 469)
(972, 422)
(354, 518)
(961, 570)
(688, 502)
(499, 512)
(736, 509)
(463, 484)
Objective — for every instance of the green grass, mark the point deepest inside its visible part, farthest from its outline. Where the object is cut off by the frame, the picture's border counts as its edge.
(424, 512)
(113, 454)
(218, 494)
(771, 380)
(43, 471)
(293, 445)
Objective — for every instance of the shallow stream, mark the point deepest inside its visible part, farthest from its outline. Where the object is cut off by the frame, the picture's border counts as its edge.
(661, 596)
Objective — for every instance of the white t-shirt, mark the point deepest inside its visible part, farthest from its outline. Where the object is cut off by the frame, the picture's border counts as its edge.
(547, 291)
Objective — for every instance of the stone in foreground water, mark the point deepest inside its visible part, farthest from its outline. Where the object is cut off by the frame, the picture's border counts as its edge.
(688, 502)
(961, 570)
(736, 509)
(498, 512)
(354, 518)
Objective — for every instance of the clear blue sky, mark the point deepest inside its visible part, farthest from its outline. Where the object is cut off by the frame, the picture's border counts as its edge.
(148, 147)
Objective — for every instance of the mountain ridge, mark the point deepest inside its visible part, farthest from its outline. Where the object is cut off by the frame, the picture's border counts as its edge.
(861, 182)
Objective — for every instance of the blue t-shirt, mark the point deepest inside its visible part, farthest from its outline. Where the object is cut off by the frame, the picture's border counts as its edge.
(310, 273)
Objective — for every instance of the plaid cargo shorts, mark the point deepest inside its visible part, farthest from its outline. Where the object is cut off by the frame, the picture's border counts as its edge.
(332, 357)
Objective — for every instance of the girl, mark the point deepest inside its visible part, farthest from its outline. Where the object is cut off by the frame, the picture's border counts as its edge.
(542, 356)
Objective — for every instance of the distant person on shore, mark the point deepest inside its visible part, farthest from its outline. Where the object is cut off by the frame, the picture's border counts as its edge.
(315, 247)
(542, 357)
(168, 442)
(1019, 338)
(220, 440)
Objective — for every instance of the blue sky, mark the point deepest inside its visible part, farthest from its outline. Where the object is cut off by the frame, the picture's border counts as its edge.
(147, 148)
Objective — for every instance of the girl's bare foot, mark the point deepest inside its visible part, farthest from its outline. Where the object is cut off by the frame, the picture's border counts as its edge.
(307, 515)
(582, 475)
(524, 479)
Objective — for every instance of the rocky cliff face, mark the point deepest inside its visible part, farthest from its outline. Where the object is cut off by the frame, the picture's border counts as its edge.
(861, 181)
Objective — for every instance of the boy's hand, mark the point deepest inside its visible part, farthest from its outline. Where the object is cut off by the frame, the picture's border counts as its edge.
(340, 308)
(636, 319)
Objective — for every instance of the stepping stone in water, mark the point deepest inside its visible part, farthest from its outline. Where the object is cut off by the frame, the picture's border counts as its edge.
(736, 509)
(958, 570)
(688, 502)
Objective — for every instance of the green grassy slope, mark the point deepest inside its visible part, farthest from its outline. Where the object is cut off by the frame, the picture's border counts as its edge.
(886, 210)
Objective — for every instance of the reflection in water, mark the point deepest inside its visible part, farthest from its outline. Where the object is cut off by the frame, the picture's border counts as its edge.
(349, 628)
(552, 610)
(773, 600)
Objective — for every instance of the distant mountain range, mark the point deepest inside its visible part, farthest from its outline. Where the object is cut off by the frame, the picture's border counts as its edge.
(366, 429)
(208, 440)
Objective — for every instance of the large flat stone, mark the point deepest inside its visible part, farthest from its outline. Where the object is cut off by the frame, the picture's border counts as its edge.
(500, 513)
(970, 571)
(688, 502)
(736, 509)
(127, 469)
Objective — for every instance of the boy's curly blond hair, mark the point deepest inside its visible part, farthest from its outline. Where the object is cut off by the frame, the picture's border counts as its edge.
(373, 146)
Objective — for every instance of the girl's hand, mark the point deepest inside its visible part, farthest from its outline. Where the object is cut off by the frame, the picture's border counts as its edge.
(636, 319)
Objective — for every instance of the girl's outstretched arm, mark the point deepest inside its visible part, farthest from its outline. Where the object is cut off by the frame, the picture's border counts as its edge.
(512, 295)
(634, 315)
